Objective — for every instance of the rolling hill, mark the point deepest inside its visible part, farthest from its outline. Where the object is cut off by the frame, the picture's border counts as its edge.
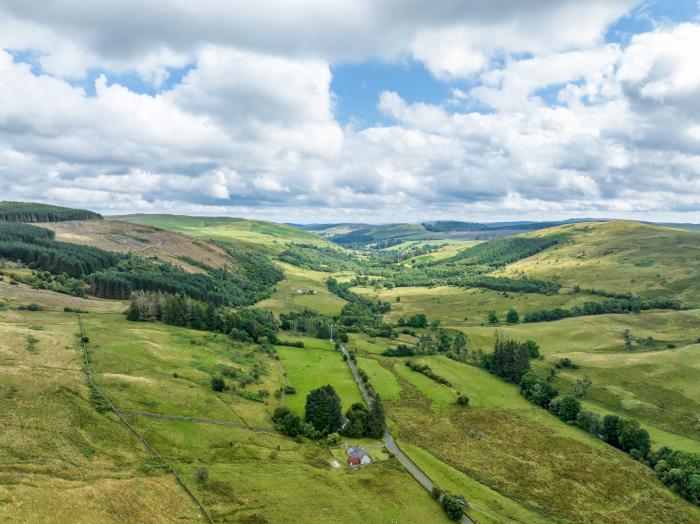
(255, 234)
(193, 255)
(620, 257)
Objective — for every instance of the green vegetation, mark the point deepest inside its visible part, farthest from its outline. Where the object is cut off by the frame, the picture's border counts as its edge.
(606, 418)
(36, 247)
(32, 212)
(502, 251)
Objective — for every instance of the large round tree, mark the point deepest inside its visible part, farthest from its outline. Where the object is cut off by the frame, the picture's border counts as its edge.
(323, 410)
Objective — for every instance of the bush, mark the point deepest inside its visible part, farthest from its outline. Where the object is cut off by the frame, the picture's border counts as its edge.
(218, 383)
(451, 507)
(566, 408)
(463, 400)
(202, 475)
(512, 317)
(34, 307)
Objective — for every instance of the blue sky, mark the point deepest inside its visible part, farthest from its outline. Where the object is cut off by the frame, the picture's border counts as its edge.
(368, 110)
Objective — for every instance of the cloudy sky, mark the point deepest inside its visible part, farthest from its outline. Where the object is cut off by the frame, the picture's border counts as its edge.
(361, 110)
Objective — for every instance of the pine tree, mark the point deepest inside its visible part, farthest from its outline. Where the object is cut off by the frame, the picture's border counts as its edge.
(323, 410)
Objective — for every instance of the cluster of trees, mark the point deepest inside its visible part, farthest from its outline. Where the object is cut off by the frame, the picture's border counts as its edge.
(59, 283)
(30, 212)
(449, 504)
(323, 417)
(505, 250)
(360, 314)
(515, 285)
(363, 422)
(453, 347)
(244, 324)
(510, 360)
(318, 258)
(632, 305)
(221, 287)
(425, 369)
(419, 320)
(537, 390)
(36, 247)
(311, 323)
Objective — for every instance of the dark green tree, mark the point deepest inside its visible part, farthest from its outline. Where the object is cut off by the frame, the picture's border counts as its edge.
(512, 317)
(323, 410)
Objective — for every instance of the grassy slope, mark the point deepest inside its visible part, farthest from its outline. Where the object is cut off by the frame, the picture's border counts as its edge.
(287, 298)
(621, 256)
(521, 452)
(253, 477)
(313, 366)
(459, 307)
(61, 460)
(144, 240)
(256, 234)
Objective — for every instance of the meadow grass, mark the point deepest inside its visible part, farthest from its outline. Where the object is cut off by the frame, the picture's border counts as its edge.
(287, 297)
(256, 234)
(620, 256)
(61, 460)
(460, 307)
(269, 478)
(313, 366)
(522, 452)
(165, 369)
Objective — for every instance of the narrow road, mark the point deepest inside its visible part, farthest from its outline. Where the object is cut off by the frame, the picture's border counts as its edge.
(389, 441)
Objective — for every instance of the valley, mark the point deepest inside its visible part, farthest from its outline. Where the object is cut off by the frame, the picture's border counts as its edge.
(220, 383)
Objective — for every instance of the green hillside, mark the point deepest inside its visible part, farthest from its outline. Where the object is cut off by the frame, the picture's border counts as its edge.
(257, 234)
(621, 257)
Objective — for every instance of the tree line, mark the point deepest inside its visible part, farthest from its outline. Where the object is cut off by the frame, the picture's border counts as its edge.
(244, 324)
(31, 212)
(37, 248)
(678, 470)
(631, 305)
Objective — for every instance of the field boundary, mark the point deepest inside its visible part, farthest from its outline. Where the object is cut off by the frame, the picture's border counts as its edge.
(134, 431)
(199, 420)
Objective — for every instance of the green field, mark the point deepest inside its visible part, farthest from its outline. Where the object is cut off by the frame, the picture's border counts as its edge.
(289, 294)
(459, 307)
(313, 366)
(255, 234)
(60, 459)
(514, 449)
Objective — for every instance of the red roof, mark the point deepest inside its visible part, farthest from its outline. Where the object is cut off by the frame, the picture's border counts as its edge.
(354, 461)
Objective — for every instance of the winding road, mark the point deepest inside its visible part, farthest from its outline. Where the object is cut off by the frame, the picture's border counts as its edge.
(389, 441)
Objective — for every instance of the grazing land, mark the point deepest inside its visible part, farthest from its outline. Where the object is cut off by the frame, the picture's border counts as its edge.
(254, 234)
(217, 383)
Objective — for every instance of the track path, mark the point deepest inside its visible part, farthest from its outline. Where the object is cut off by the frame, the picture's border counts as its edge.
(389, 441)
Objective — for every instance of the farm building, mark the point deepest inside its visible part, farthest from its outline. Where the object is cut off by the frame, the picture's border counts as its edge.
(358, 457)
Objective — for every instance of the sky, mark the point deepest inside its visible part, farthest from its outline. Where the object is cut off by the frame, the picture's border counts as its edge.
(376, 111)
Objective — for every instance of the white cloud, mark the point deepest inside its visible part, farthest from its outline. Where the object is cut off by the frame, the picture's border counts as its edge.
(572, 126)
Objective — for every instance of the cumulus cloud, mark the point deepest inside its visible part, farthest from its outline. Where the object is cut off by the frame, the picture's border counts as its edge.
(567, 123)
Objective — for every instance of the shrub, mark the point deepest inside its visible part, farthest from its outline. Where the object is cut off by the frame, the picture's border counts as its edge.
(451, 507)
(512, 317)
(463, 400)
(202, 475)
(218, 383)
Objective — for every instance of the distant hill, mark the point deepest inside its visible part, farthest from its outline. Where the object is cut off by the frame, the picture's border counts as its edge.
(620, 256)
(31, 212)
(386, 235)
(192, 254)
(262, 236)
